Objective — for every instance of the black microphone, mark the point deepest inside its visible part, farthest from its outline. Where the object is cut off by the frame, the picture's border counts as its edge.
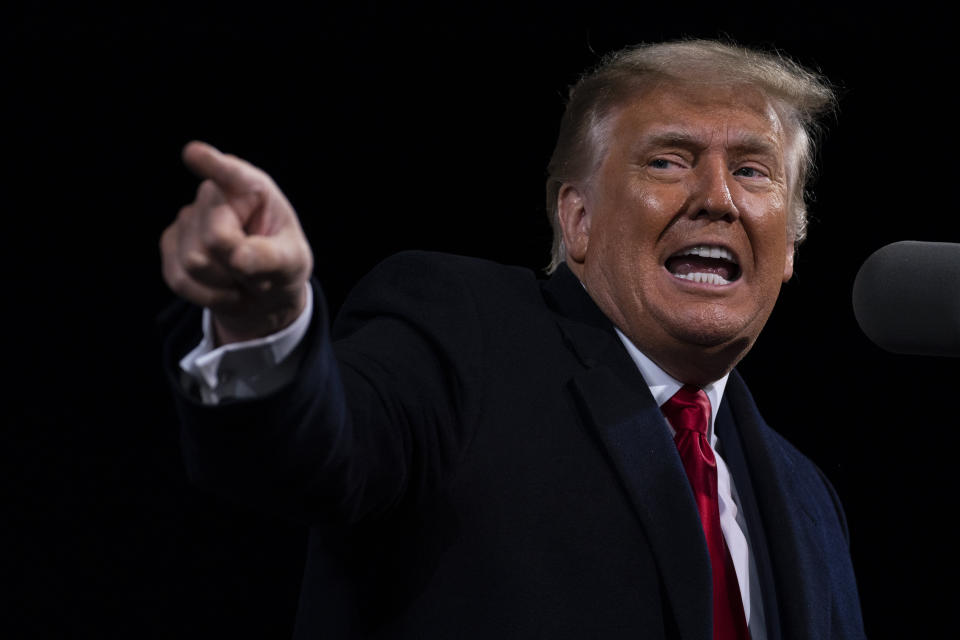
(906, 298)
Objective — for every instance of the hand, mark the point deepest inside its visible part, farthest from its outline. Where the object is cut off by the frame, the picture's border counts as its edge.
(237, 249)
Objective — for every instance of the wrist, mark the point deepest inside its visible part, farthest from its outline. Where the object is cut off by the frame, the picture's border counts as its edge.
(231, 328)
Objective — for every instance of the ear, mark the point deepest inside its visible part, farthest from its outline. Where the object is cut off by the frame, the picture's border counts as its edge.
(788, 259)
(574, 222)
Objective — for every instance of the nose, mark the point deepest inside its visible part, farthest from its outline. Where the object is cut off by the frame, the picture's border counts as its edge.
(714, 193)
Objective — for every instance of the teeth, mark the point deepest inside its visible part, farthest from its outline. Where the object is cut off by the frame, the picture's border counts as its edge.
(708, 252)
(708, 278)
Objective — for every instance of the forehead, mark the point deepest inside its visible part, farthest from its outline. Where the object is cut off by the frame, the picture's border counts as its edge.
(711, 113)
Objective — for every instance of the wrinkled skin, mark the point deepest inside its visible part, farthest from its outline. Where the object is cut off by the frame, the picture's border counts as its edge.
(685, 166)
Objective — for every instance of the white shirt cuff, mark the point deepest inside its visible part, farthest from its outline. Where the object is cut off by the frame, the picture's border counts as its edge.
(249, 369)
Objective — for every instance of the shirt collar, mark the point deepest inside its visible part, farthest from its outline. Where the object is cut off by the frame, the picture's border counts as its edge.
(663, 386)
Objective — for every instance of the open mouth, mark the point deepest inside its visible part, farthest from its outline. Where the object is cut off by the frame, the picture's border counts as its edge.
(709, 264)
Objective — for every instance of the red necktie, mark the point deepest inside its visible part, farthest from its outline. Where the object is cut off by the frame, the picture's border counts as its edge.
(689, 413)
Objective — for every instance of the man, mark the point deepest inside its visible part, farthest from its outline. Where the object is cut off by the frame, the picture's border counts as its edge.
(485, 455)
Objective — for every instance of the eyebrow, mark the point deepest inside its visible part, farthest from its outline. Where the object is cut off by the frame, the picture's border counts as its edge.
(742, 142)
(753, 143)
(674, 138)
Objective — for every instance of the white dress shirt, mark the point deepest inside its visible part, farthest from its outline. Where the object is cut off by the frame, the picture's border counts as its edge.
(255, 368)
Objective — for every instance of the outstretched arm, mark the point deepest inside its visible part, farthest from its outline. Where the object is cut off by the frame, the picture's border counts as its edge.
(354, 433)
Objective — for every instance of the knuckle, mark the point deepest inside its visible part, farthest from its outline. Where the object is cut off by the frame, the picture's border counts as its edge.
(195, 262)
(215, 236)
(211, 237)
(215, 241)
(176, 280)
(185, 214)
(263, 285)
(207, 190)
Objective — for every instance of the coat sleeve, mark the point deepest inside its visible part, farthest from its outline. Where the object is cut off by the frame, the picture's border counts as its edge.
(377, 418)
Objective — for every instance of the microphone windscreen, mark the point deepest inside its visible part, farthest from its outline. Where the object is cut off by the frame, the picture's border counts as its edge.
(906, 298)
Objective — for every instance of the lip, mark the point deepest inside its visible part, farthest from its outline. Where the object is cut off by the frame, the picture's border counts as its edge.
(702, 287)
(694, 286)
(719, 245)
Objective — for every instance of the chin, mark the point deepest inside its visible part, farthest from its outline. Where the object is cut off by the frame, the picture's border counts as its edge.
(708, 338)
(711, 327)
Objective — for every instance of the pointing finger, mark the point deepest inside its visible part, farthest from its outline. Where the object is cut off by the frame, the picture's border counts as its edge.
(231, 174)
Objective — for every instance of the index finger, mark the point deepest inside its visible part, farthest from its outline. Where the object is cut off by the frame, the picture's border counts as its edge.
(233, 175)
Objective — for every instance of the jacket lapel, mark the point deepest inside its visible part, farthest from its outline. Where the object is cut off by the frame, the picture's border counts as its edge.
(800, 573)
(615, 401)
(731, 448)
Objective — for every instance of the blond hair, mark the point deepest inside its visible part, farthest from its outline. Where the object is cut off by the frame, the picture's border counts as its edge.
(798, 95)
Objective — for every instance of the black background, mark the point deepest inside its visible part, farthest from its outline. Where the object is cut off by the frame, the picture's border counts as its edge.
(421, 126)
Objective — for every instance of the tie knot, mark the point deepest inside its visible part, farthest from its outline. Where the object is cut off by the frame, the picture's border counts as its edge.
(688, 409)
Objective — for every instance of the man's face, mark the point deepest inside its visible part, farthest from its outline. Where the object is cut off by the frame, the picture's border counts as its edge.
(681, 234)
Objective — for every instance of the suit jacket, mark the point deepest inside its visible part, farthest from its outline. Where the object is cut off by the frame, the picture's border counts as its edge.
(479, 457)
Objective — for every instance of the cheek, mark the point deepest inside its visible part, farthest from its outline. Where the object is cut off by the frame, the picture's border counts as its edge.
(767, 226)
(643, 212)
(661, 201)
(764, 209)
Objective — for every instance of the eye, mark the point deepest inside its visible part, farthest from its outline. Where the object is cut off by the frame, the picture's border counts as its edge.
(662, 163)
(750, 172)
